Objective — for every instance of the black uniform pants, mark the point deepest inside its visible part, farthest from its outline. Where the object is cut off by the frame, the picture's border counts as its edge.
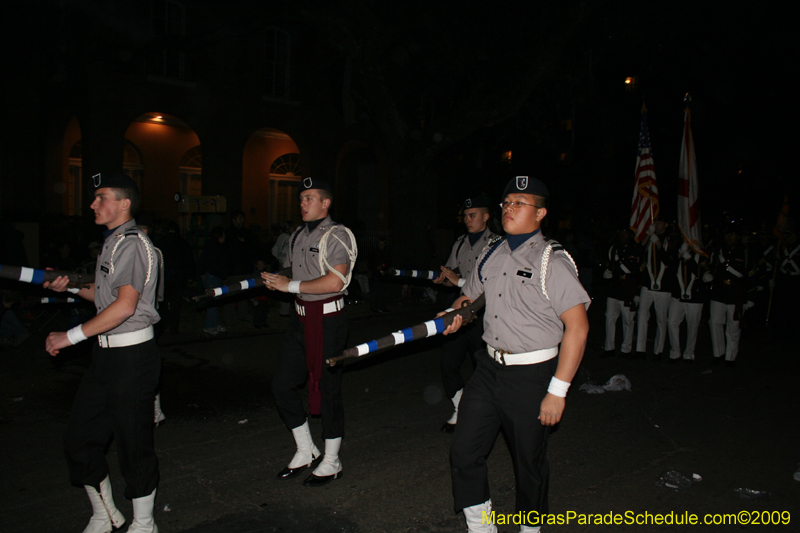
(115, 399)
(508, 398)
(291, 374)
(455, 349)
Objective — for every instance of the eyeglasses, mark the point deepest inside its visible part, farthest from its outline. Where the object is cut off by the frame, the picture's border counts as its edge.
(516, 205)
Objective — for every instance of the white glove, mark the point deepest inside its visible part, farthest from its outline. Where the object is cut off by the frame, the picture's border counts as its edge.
(651, 229)
(759, 288)
(687, 255)
(684, 248)
(636, 300)
(708, 277)
(654, 238)
(608, 274)
(748, 305)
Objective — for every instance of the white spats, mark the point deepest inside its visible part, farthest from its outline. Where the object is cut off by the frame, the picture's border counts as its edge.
(143, 521)
(105, 514)
(306, 451)
(479, 518)
(330, 464)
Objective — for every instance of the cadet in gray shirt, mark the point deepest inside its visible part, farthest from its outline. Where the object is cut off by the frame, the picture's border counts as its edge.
(116, 395)
(322, 256)
(534, 302)
(464, 257)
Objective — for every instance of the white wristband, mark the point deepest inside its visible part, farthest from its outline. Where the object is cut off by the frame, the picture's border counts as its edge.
(558, 387)
(449, 310)
(462, 282)
(294, 287)
(73, 290)
(75, 335)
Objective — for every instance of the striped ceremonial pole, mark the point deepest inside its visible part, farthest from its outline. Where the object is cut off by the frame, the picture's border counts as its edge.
(420, 331)
(423, 274)
(51, 300)
(239, 286)
(233, 288)
(38, 276)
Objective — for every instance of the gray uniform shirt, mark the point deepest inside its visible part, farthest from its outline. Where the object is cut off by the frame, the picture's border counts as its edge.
(464, 256)
(518, 317)
(124, 260)
(305, 254)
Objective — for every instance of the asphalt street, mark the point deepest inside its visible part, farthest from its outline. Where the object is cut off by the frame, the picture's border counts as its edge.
(223, 442)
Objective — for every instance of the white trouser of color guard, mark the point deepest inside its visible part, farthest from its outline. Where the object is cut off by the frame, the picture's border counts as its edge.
(105, 515)
(330, 465)
(479, 518)
(725, 330)
(143, 521)
(615, 308)
(659, 300)
(677, 312)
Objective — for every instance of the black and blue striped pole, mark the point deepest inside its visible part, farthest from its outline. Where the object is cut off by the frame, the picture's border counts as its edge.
(233, 288)
(38, 276)
(420, 331)
(422, 274)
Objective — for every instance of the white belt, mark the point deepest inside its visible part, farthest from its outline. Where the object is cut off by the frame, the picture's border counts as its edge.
(327, 308)
(126, 339)
(527, 358)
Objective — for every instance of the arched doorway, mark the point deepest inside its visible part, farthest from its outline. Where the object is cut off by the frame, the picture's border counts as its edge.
(271, 173)
(156, 147)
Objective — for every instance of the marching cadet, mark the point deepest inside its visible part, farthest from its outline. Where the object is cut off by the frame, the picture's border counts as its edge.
(322, 254)
(117, 393)
(624, 260)
(463, 258)
(534, 304)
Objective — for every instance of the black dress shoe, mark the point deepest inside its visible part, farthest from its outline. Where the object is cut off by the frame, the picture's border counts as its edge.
(318, 481)
(640, 355)
(289, 473)
(448, 428)
(608, 353)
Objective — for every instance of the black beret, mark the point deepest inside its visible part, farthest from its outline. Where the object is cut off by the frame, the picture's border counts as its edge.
(478, 201)
(117, 181)
(315, 183)
(526, 185)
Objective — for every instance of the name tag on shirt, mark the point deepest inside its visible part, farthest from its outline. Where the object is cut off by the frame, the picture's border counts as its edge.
(104, 269)
(524, 274)
(314, 249)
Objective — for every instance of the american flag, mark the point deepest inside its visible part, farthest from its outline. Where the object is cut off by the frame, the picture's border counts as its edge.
(644, 206)
(688, 201)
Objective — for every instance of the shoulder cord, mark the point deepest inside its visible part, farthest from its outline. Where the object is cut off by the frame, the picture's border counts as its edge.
(147, 246)
(493, 245)
(294, 238)
(546, 260)
(460, 244)
(352, 253)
